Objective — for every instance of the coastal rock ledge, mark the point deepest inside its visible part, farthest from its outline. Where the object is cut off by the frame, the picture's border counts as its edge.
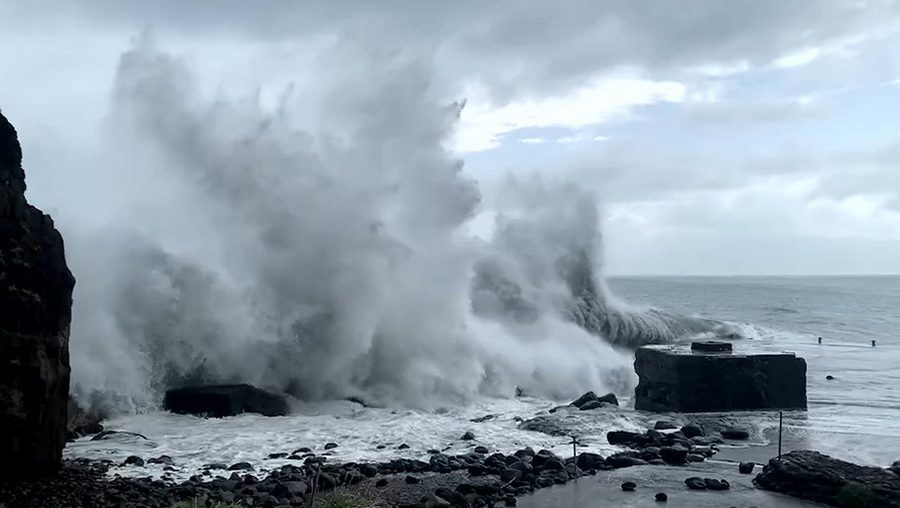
(816, 477)
(35, 312)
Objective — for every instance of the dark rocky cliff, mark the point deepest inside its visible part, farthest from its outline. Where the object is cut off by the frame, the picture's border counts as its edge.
(35, 312)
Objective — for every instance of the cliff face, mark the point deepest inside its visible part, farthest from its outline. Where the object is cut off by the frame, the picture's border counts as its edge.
(35, 312)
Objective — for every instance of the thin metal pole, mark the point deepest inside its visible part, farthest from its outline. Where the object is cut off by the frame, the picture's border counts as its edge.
(780, 425)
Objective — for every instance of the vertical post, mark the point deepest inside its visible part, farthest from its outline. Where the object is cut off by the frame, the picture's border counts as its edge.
(780, 425)
(575, 455)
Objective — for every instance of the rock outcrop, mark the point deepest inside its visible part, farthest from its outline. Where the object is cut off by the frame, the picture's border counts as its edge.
(225, 400)
(35, 312)
(674, 378)
(811, 475)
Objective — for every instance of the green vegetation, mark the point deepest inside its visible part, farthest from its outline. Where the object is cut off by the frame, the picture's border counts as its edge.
(196, 503)
(340, 501)
(328, 501)
(854, 495)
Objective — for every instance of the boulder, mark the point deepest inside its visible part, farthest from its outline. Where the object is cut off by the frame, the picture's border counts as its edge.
(224, 400)
(545, 425)
(736, 433)
(673, 454)
(817, 477)
(695, 483)
(664, 425)
(593, 401)
(746, 467)
(674, 378)
(35, 313)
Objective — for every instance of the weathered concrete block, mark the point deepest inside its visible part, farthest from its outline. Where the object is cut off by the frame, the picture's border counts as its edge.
(225, 400)
(675, 378)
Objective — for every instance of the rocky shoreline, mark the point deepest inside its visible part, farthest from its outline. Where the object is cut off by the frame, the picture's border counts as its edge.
(478, 478)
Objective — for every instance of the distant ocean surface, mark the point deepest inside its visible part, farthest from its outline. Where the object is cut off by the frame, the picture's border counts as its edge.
(856, 416)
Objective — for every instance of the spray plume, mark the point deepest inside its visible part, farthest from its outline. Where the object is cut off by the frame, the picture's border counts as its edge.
(330, 264)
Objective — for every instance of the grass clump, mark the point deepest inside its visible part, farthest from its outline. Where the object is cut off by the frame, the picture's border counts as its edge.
(197, 503)
(854, 495)
(341, 501)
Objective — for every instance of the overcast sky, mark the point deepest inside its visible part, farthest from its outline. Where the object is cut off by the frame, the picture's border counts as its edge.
(738, 137)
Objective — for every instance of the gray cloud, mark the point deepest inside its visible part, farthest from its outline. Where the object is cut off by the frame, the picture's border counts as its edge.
(512, 46)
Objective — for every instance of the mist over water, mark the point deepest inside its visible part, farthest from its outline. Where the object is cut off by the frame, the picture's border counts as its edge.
(332, 262)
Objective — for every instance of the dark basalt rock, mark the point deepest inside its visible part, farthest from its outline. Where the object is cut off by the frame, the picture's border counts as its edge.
(590, 400)
(736, 434)
(695, 483)
(545, 425)
(746, 467)
(664, 425)
(817, 477)
(35, 313)
(661, 497)
(629, 486)
(225, 400)
(672, 378)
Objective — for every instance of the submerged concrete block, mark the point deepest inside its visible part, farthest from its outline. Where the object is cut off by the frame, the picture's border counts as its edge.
(677, 378)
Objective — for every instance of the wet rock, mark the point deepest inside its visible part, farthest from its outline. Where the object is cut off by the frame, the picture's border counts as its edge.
(544, 424)
(403, 446)
(661, 497)
(713, 484)
(695, 457)
(241, 466)
(589, 461)
(735, 433)
(36, 302)
(629, 486)
(381, 483)
(133, 460)
(664, 425)
(224, 400)
(468, 436)
(620, 460)
(691, 430)
(524, 454)
(301, 451)
(595, 404)
(829, 377)
(746, 467)
(673, 454)
(817, 477)
(624, 438)
(412, 480)
(695, 483)
(330, 446)
(162, 459)
(481, 449)
(482, 419)
(895, 467)
(590, 400)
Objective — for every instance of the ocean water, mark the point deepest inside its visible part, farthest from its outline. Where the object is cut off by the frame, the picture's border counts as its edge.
(855, 416)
